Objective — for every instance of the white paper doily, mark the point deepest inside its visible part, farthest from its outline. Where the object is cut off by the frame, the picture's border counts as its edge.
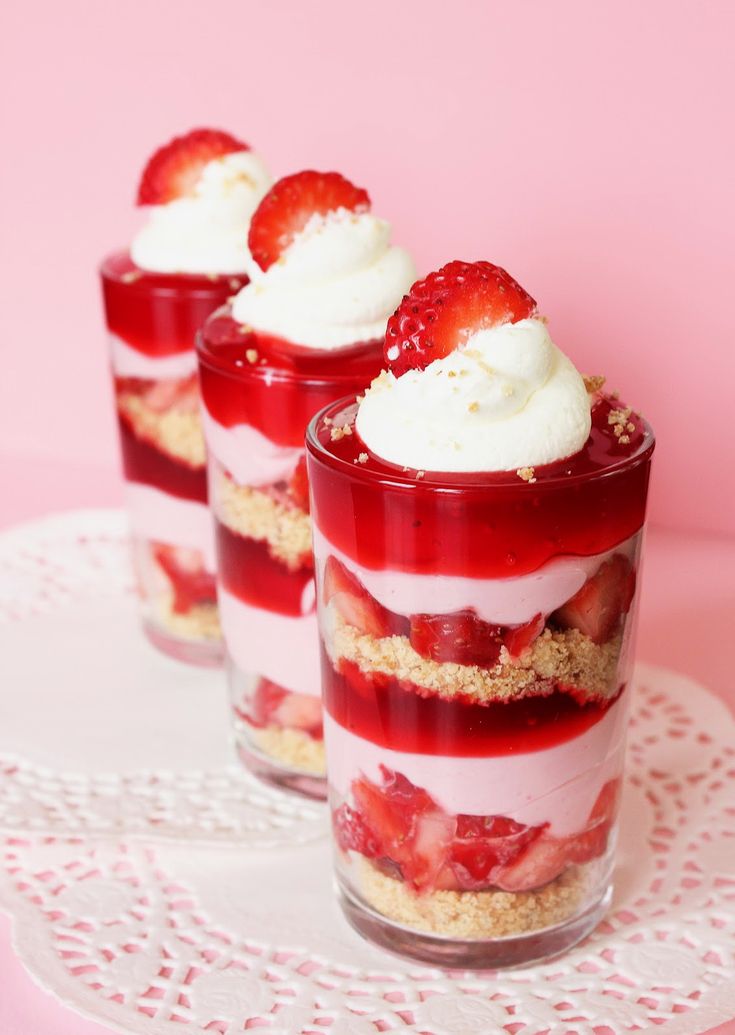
(179, 937)
(100, 734)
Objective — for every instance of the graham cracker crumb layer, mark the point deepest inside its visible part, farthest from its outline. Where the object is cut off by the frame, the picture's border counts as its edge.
(256, 515)
(565, 656)
(200, 622)
(291, 748)
(476, 914)
(178, 433)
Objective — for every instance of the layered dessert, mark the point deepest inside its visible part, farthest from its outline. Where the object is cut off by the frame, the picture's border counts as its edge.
(477, 533)
(199, 192)
(307, 329)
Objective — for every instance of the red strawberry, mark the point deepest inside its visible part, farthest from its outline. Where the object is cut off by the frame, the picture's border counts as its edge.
(267, 699)
(191, 582)
(460, 637)
(174, 170)
(483, 843)
(441, 312)
(596, 609)
(518, 637)
(542, 861)
(353, 602)
(298, 486)
(352, 833)
(289, 205)
(301, 712)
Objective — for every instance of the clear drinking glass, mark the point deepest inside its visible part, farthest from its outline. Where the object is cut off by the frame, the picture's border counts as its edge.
(476, 640)
(152, 320)
(256, 406)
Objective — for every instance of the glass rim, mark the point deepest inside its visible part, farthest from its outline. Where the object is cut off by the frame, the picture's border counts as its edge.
(196, 285)
(433, 480)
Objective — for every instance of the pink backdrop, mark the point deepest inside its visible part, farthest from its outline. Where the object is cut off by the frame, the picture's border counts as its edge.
(585, 146)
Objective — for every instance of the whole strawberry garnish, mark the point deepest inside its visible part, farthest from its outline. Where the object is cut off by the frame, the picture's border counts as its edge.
(289, 205)
(174, 170)
(441, 311)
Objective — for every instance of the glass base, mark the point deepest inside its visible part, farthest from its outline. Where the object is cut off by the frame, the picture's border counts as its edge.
(455, 954)
(205, 653)
(305, 784)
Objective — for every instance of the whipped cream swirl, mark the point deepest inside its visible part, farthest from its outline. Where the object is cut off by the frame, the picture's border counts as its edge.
(507, 399)
(206, 233)
(336, 284)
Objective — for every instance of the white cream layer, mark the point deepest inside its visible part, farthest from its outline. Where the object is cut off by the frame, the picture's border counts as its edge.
(169, 519)
(511, 601)
(247, 454)
(506, 399)
(129, 362)
(335, 284)
(206, 233)
(558, 785)
(282, 648)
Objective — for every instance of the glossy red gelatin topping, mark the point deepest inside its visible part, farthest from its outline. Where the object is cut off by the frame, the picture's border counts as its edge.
(273, 385)
(160, 313)
(484, 525)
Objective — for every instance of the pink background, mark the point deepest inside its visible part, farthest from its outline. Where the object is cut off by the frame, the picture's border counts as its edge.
(585, 146)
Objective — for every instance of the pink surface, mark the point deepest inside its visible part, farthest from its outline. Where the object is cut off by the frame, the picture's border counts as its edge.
(687, 606)
(585, 146)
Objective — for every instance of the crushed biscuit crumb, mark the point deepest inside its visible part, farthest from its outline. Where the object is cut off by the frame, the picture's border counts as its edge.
(251, 355)
(338, 433)
(362, 458)
(473, 407)
(131, 276)
(420, 474)
(528, 474)
(593, 383)
(327, 422)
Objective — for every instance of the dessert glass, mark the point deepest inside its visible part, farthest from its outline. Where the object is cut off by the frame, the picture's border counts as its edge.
(258, 395)
(474, 733)
(152, 320)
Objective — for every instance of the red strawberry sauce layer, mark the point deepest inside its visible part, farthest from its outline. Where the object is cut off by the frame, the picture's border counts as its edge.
(404, 717)
(144, 463)
(287, 384)
(483, 525)
(249, 572)
(160, 314)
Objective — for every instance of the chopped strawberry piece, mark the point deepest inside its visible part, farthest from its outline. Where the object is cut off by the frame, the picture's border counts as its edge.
(298, 486)
(300, 712)
(598, 606)
(542, 861)
(191, 583)
(518, 638)
(174, 170)
(353, 602)
(290, 204)
(460, 637)
(352, 834)
(267, 698)
(181, 395)
(442, 311)
(482, 844)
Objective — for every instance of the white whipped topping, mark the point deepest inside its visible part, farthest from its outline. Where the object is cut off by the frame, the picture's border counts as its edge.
(507, 399)
(207, 233)
(336, 283)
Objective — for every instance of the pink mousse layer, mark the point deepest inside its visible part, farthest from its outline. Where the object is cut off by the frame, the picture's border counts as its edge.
(558, 786)
(129, 362)
(282, 648)
(511, 601)
(169, 519)
(246, 454)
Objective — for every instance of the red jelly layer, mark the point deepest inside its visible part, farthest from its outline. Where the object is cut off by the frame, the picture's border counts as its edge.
(281, 391)
(160, 313)
(248, 571)
(142, 462)
(483, 525)
(403, 717)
